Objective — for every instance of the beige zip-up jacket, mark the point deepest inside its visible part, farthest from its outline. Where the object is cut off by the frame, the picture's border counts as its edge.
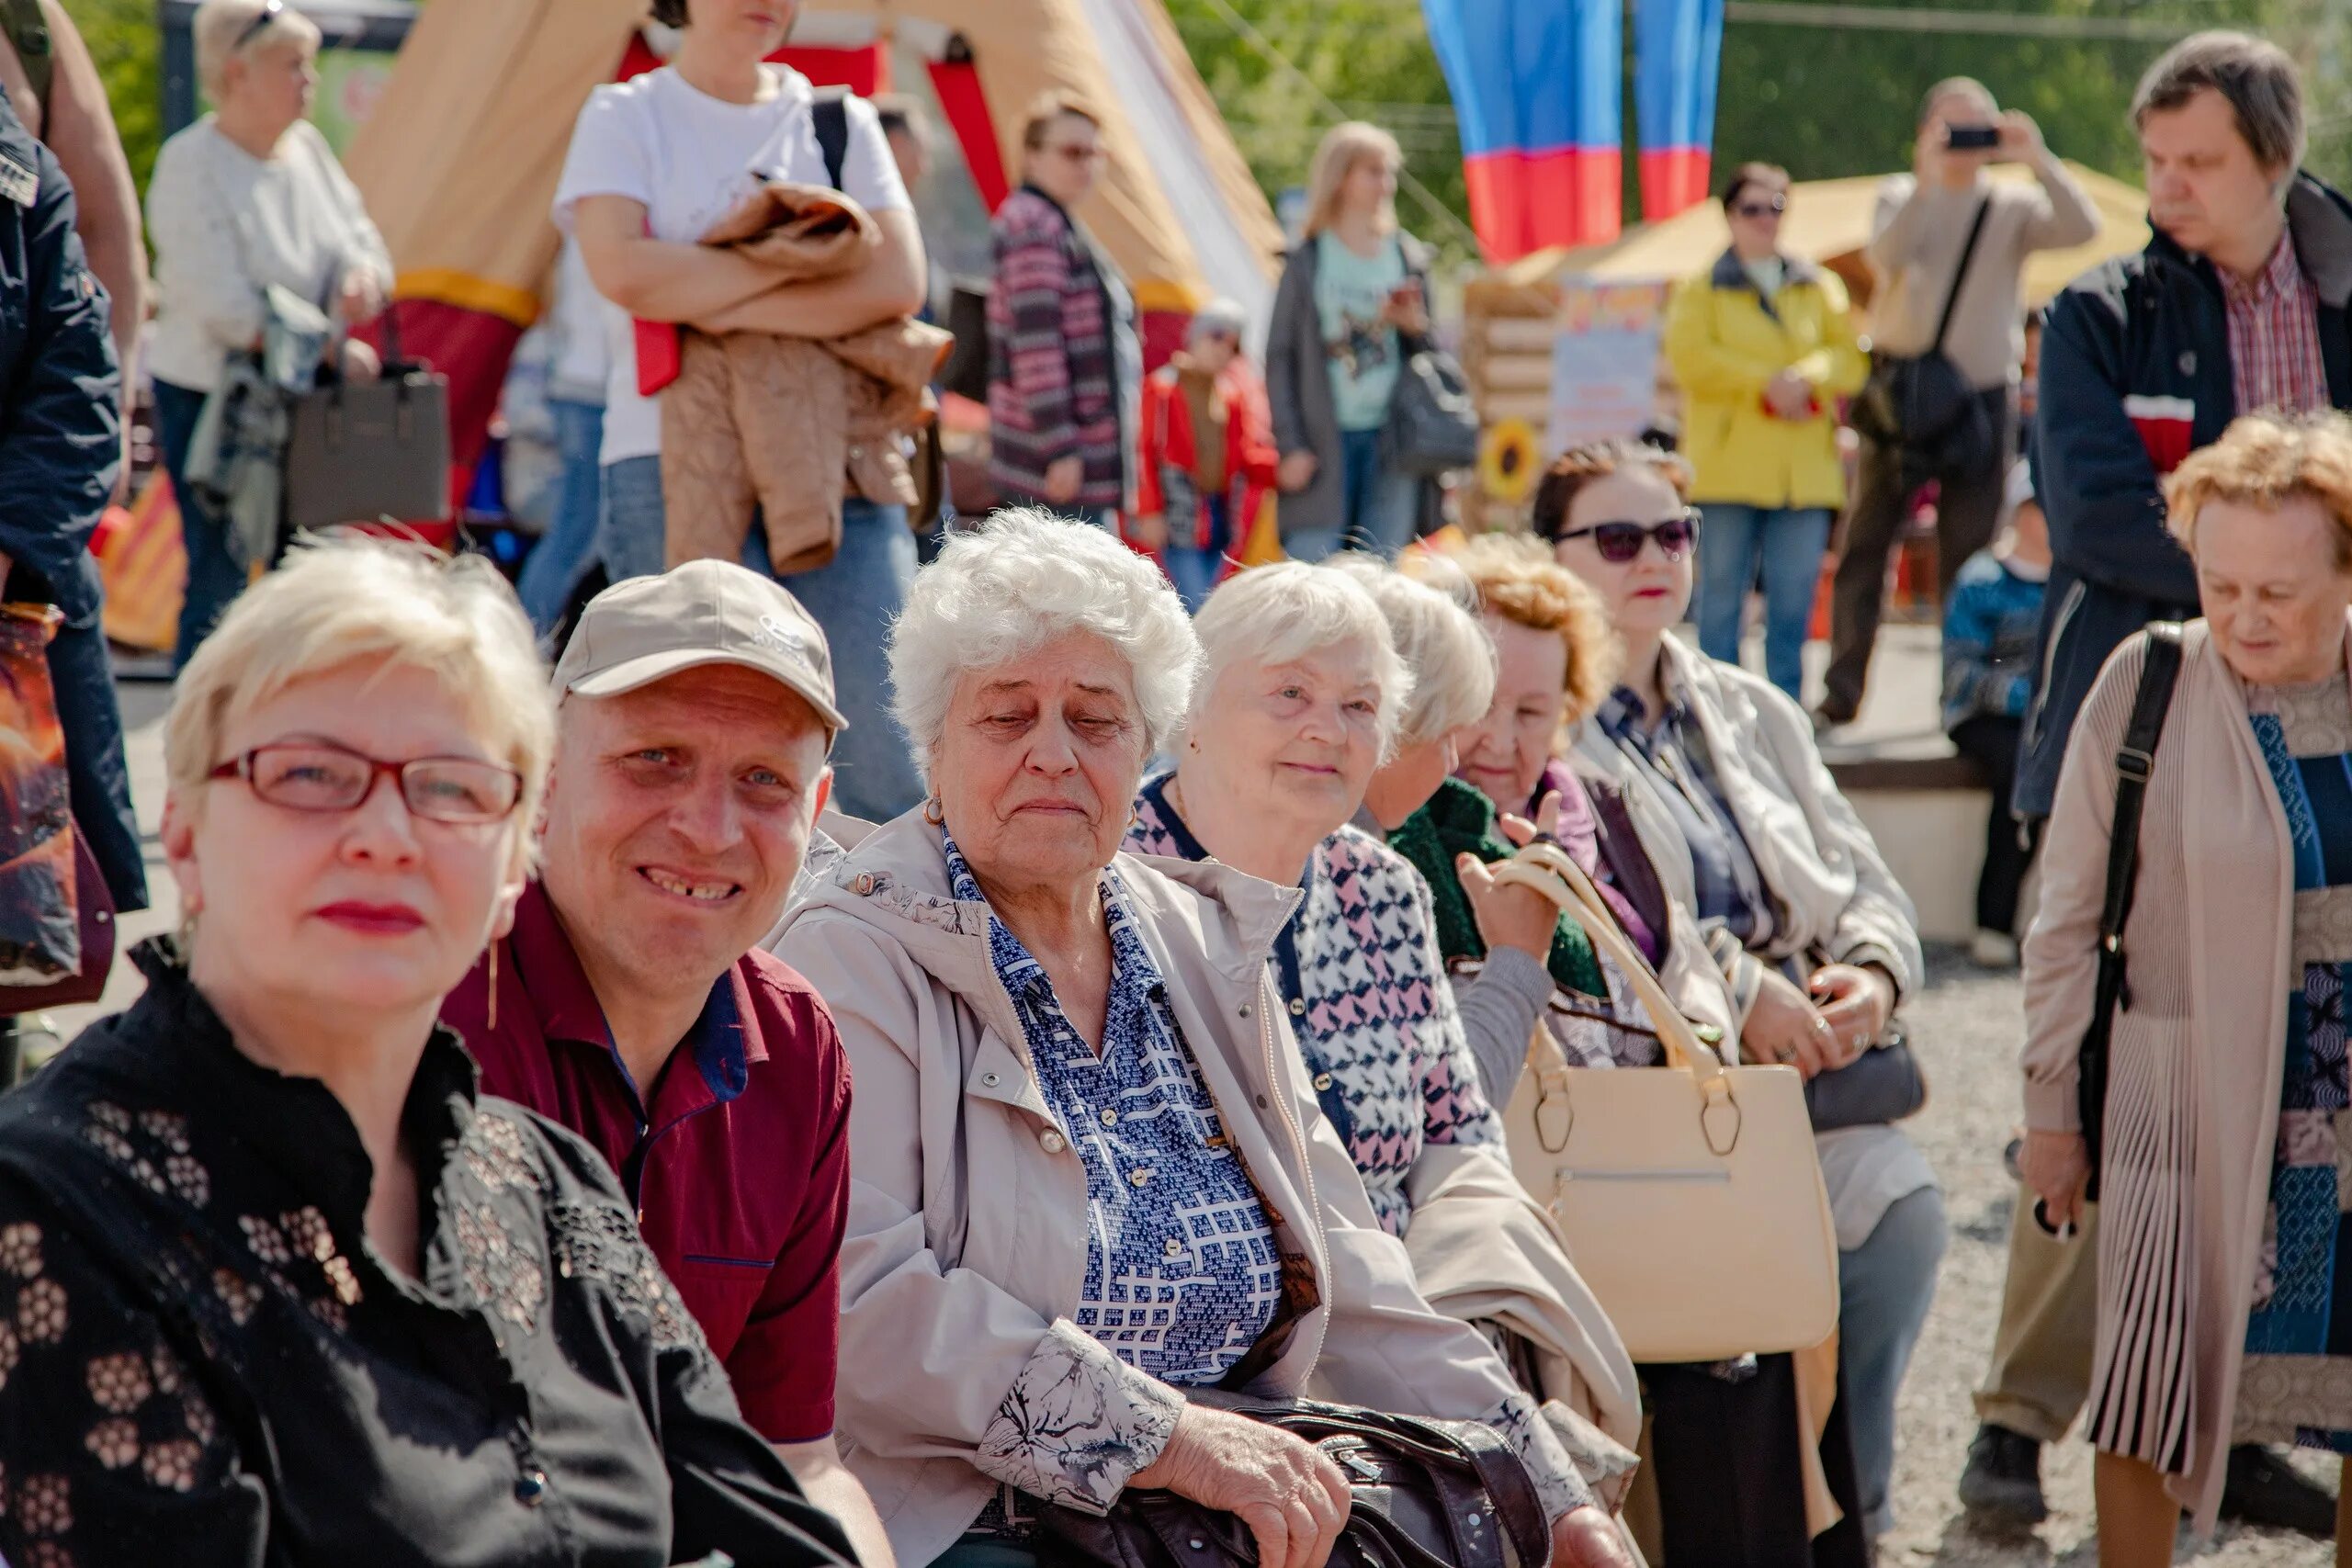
(966, 1240)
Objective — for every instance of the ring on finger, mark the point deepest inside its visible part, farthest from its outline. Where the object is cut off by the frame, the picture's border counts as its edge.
(1785, 1054)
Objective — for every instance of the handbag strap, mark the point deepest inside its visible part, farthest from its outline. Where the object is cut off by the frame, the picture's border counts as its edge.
(1549, 869)
(2135, 763)
(1967, 254)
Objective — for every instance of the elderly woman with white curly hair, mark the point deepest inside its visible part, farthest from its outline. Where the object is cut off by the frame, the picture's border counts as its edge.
(280, 1284)
(1090, 1174)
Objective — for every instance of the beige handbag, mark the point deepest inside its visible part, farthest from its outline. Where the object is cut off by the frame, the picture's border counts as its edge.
(1688, 1195)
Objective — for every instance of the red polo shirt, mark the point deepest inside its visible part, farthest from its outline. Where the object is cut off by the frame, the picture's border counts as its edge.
(738, 1159)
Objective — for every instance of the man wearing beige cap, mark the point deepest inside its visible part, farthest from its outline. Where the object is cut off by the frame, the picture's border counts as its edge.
(631, 1001)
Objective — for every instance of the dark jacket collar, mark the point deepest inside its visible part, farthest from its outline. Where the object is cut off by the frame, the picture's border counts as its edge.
(1730, 272)
(171, 1048)
(2319, 219)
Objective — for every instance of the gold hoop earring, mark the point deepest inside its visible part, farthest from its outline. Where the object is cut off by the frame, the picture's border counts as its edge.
(934, 812)
(492, 1022)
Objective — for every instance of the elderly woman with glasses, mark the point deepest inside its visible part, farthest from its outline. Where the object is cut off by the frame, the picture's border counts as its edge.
(279, 1283)
(1090, 1171)
(1814, 939)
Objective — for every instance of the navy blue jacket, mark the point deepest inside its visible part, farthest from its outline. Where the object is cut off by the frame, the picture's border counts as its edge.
(61, 433)
(2131, 346)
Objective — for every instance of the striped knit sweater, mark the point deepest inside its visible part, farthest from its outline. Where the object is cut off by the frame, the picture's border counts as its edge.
(1053, 359)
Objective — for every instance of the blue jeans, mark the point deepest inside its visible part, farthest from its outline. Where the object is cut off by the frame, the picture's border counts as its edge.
(1887, 1284)
(1193, 569)
(1789, 541)
(854, 597)
(1377, 506)
(561, 554)
(629, 522)
(215, 577)
(97, 777)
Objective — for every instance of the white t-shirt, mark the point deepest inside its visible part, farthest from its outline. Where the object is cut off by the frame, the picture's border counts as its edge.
(688, 157)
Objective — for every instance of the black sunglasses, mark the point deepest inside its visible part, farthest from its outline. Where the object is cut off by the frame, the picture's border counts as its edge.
(1773, 207)
(261, 19)
(1620, 542)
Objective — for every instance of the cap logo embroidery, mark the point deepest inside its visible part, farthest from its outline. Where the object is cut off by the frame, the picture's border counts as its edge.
(773, 634)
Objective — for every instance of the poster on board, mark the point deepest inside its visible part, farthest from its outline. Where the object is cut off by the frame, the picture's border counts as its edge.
(1605, 360)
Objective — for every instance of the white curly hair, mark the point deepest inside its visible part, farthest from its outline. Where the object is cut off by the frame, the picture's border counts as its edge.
(1027, 577)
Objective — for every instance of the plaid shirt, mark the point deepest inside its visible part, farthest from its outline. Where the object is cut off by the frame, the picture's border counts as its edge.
(2273, 337)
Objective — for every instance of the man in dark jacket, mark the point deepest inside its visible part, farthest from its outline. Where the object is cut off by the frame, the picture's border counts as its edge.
(2238, 303)
(60, 443)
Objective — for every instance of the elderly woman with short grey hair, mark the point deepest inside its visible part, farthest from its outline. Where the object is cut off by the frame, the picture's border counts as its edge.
(1299, 705)
(1068, 1059)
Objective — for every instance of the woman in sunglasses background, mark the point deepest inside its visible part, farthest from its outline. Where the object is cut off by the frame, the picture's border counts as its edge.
(1816, 939)
(1763, 344)
(275, 1284)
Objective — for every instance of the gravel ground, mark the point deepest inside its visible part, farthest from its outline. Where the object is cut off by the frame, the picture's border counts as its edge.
(1968, 1024)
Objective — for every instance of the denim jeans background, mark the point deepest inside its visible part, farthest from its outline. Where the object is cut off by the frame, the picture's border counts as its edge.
(1193, 569)
(1790, 543)
(557, 561)
(1377, 510)
(854, 597)
(214, 576)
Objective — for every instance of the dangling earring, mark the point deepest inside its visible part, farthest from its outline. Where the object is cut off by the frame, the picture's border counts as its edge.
(934, 812)
(494, 987)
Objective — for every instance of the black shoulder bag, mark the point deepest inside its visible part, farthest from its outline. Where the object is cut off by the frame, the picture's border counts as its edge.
(1920, 405)
(1427, 1494)
(2135, 762)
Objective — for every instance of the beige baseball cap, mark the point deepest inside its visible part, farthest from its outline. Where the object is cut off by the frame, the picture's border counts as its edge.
(706, 611)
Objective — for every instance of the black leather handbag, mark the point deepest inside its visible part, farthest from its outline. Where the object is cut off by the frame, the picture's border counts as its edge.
(1427, 1494)
(1882, 1084)
(1433, 420)
(1920, 405)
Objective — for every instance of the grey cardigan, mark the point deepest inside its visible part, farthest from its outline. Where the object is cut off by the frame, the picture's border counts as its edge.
(1298, 385)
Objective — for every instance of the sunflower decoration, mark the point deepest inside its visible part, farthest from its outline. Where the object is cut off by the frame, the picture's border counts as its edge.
(1508, 461)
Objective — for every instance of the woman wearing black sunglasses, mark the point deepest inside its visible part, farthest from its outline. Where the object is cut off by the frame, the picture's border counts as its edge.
(1816, 939)
(1763, 344)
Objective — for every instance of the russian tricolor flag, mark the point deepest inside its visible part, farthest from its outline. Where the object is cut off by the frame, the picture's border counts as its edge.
(1678, 53)
(1538, 98)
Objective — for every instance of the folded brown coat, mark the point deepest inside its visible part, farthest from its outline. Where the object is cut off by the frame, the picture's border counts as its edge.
(782, 423)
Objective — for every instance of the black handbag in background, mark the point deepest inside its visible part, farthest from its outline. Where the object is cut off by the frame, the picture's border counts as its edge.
(1433, 420)
(367, 451)
(1427, 1494)
(1921, 405)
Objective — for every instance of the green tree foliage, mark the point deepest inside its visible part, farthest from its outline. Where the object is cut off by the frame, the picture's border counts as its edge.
(125, 42)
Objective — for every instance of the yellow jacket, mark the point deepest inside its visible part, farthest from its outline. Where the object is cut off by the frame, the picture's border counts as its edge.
(1726, 347)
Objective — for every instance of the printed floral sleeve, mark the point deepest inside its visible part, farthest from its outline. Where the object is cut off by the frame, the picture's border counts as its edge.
(1455, 1109)
(1077, 1423)
(112, 1453)
(1562, 1490)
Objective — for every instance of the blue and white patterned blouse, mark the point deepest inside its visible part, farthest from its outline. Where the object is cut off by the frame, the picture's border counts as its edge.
(1370, 1004)
(1183, 1274)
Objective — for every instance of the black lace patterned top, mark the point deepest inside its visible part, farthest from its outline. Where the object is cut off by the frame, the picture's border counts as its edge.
(203, 1362)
